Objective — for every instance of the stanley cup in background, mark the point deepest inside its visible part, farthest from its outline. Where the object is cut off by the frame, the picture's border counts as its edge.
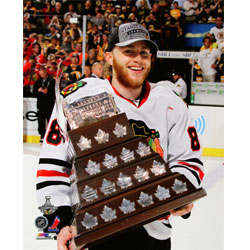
(119, 183)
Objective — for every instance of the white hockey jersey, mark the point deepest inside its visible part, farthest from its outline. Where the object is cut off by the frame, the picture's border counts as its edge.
(160, 115)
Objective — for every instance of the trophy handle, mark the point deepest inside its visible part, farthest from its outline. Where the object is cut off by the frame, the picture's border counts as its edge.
(61, 119)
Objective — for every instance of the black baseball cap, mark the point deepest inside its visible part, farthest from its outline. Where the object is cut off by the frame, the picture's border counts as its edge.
(129, 33)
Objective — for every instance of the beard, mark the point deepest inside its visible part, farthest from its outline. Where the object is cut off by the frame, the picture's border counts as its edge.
(122, 74)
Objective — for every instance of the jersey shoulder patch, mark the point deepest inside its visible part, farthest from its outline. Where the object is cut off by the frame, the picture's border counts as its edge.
(72, 88)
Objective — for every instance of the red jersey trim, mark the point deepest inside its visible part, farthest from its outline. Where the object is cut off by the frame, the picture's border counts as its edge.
(41, 173)
(143, 100)
(201, 174)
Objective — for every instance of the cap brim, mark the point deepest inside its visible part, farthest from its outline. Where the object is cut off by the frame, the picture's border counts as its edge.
(152, 44)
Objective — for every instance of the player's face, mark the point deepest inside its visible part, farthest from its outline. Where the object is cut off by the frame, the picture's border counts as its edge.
(131, 64)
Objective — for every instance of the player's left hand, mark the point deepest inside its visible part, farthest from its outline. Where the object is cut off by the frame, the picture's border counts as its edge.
(182, 211)
(67, 233)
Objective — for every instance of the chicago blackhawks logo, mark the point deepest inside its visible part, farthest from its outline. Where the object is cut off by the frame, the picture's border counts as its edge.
(72, 88)
(141, 129)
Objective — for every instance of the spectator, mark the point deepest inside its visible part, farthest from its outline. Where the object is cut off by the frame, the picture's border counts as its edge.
(214, 44)
(62, 56)
(218, 30)
(91, 57)
(27, 50)
(180, 87)
(76, 38)
(154, 28)
(71, 11)
(203, 11)
(66, 41)
(40, 58)
(217, 8)
(220, 69)
(88, 9)
(54, 46)
(128, 5)
(45, 45)
(145, 4)
(56, 22)
(132, 17)
(74, 70)
(190, 7)
(103, 48)
(118, 12)
(172, 32)
(180, 5)
(144, 8)
(53, 31)
(97, 70)
(58, 11)
(31, 12)
(87, 72)
(46, 13)
(27, 29)
(30, 75)
(125, 12)
(52, 69)
(44, 91)
(156, 9)
(175, 11)
(51, 59)
(66, 21)
(78, 51)
(208, 60)
(91, 36)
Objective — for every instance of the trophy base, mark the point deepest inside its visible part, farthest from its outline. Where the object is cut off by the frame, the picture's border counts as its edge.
(143, 215)
(135, 221)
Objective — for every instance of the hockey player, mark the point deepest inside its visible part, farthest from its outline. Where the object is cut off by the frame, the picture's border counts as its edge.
(152, 108)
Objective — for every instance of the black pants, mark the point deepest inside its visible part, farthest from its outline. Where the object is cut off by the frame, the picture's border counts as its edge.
(43, 118)
(137, 239)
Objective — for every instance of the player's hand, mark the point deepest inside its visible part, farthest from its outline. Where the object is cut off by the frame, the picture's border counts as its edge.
(182, 211)
(214, 66)
(67, 233)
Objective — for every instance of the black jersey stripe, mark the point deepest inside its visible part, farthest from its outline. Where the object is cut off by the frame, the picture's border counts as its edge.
(51, 183)
(196, 160)
(55, 162)
(193, 172)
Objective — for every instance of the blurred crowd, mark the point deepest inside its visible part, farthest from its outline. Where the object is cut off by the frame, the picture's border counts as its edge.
(53, 35)
(52, 32)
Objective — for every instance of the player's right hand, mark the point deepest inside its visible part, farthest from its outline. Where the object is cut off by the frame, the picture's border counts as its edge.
(67, 233)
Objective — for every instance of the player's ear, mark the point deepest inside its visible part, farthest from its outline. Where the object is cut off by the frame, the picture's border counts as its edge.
(109, 57)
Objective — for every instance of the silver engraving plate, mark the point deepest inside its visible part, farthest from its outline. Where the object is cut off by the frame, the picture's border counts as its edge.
(110, 161)
(107, 187)
(179, 186)
(143, 149)
(120, 130)
(93, 168)
(124, 181)
(89, 221)
(127, 206)
(108, 214)
(90, 109)
(102, 137)
(162, 193)
(89, 194)
(145, 200)
(158, 168)
(141, 174)
(127, 155)
(84, 143)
